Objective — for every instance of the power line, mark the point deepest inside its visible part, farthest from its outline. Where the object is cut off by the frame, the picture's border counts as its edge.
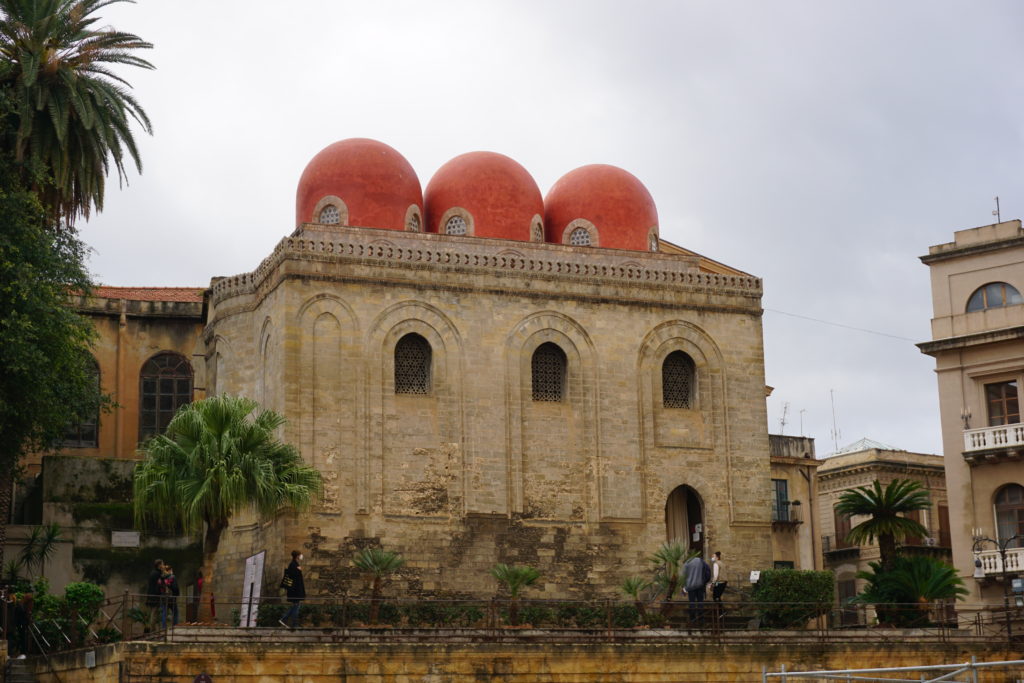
(848, 327)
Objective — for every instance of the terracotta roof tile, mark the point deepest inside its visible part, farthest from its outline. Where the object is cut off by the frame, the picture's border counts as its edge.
(185, 294)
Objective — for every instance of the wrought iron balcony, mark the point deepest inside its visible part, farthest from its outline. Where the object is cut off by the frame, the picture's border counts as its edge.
(991, 444)
(991, 564)
(786, 514)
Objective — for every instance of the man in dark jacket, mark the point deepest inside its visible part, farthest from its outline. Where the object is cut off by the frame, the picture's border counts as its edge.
(698, 575)
(296, 589)
(154, 589)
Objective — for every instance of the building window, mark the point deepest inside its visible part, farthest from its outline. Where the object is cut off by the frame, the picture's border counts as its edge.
(780, 500)
(456, 225)
(1010, 513)
(548, 372)
(843, 527)
(652, 242)
(329, 215)
(414, 223)
(537, 233)
(85, 432)
(677, 380)
(993, 295)
(579, 237)
(1003, 405)
(784, 564)
(166, 385)
(412, 365)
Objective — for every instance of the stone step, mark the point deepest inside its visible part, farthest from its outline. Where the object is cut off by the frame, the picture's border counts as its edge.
(18, 671)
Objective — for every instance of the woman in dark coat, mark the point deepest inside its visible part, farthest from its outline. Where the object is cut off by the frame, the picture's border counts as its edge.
(293, 584)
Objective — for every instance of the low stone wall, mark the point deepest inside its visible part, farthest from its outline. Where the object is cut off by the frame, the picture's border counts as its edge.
(265, 658)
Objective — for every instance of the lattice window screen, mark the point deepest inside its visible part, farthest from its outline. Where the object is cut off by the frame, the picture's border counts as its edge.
(548, 373)
(456, 225)
(537, 233)
(412, 365)
(678, 380)
(166, 386)
(414, 223)
(580, 237)
(329, 215)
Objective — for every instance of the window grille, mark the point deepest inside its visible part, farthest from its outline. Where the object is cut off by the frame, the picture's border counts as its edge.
(456, 225)
(85, 432)
(580, 237)
(412, 365)
(414, 223)
(166, 385)
(677, 380)
(652, 242)
(537, 232)
(329, 215)
(548, 368)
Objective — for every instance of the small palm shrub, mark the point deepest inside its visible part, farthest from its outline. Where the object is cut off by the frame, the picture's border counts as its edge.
(514, 579)
(379, 563)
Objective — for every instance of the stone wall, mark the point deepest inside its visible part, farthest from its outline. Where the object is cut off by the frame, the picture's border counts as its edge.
(732, 662)
(476, 472)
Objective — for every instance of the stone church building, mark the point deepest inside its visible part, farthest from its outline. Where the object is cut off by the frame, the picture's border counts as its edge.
(484, 374)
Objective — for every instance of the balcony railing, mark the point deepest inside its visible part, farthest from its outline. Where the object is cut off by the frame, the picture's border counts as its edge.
(787, 512)
(992, 564)
(1003, 436)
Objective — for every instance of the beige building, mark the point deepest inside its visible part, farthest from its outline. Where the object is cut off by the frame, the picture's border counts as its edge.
(860, 464)
(794, 491)
(978, 346)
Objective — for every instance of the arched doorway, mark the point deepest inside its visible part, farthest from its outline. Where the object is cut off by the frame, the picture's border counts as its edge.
(684, 518)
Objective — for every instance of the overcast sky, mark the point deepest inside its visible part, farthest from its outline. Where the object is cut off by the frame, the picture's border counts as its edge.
(822, 146)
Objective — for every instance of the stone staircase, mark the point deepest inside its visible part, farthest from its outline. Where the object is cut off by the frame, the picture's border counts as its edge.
(18, 671)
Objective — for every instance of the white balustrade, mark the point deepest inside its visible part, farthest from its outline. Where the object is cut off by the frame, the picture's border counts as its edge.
(992, 565)
(993, 437)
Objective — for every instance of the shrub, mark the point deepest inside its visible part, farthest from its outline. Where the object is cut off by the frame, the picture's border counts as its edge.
(789, 598)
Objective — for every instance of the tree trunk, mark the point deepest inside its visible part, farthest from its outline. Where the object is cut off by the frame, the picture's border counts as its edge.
(211, 541)
(375, 601)
(886, 550)
(6, 484)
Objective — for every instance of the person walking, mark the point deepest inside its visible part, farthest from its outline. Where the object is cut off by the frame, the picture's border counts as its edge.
(154, 590)
(170, 593)
(296, 590)
(718, 582)
(698, 575)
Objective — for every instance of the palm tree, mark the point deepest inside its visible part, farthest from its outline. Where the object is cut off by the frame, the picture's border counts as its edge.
(217, 457)
(633, 586)
(515, 579)
(70, 116)
(668, 561)
(884, 507)
(902, 593)
(379, 563)
(39, 546)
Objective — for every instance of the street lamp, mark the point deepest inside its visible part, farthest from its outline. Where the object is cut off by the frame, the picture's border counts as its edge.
(1001, 546)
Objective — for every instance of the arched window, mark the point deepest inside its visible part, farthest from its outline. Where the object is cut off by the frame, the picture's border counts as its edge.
(456, 225)
(537, 233)
(678, 380)
(84, 433)
(412, 365)
(548, 373)
(414, 223)
(993, 295)
(166, 385)
(329, 215)
(579, 237)
(1010, 513)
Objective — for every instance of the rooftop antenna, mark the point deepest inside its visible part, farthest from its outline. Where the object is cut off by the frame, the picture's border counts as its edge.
(836, 434)
(782, 420)
(996, 213)
(802, 411)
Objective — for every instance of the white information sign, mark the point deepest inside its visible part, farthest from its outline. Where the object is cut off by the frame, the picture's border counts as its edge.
(124, 539)
(251, 585)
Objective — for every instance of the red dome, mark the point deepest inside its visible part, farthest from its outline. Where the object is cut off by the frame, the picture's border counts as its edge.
(375, 182)
(499, 196)
(612, 200)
